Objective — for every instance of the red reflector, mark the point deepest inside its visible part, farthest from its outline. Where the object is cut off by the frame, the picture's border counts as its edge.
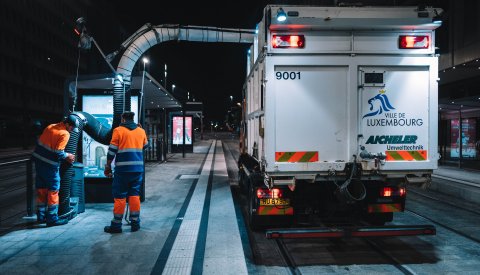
(387, 192)
(274, 193)
(76, 31)
(414, 42)
(288, 41)
(402, 191)
(261, 193)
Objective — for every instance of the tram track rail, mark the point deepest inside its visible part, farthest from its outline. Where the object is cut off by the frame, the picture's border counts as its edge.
(395, 262)
(444, 202)
(287, 257)
(449, 228)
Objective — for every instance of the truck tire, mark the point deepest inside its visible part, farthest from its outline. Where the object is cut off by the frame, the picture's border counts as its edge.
(242, 178)
(253, 220)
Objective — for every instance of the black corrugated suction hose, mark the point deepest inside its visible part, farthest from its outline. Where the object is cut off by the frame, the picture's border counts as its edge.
(66, 171)
(98, 132)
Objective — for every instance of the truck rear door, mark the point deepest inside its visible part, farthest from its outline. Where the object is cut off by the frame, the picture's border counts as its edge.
(394, 112)
(310, 115)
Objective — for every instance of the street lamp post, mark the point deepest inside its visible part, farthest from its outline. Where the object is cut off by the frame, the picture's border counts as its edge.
(142, 95)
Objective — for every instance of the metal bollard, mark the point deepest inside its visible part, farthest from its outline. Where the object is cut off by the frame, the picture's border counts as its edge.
(159, 150)
(30, 203)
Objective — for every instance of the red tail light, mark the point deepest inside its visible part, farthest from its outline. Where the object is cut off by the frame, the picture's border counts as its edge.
(263, 193)
(288, 41)
(393, 191)
(387, 192)
(414, 41)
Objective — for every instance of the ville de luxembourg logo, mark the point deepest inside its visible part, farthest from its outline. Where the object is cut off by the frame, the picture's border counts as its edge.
(379, 104)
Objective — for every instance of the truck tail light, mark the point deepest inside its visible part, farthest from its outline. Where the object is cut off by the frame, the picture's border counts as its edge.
(414, 41)
(387, 192)
(288, 41)
(263, 193)
(393, 191)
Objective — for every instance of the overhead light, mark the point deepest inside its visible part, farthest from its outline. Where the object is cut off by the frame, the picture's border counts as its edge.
(119, 77)
(80, 25)
(145, 60)
(281, 15)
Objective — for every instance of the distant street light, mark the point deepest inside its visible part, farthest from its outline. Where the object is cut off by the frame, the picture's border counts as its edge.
(165, 78)
(231, 98)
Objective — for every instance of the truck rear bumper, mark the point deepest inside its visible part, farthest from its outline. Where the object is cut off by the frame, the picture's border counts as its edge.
(357, 231)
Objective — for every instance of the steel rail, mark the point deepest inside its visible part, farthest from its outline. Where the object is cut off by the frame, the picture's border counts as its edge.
(445, 226)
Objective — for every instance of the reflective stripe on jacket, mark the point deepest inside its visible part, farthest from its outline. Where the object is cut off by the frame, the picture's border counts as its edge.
(51, 144)
(127, 149)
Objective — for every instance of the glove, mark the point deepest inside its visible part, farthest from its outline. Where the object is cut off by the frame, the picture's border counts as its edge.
(70, 158)
(108, 171)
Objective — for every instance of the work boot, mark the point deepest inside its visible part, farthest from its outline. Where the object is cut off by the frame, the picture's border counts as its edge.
(57, 222)
(112, 230)
(135, 226)
(41, 218)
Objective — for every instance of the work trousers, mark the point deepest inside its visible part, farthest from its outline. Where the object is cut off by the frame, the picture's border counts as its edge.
(126, 184)
(47, 183)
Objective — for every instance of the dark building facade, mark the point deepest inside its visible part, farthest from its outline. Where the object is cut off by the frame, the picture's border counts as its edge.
(459, 84)
(38, 51)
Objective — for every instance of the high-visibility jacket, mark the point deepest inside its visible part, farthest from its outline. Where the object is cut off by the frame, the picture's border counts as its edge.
(51, 144)
(126, 147)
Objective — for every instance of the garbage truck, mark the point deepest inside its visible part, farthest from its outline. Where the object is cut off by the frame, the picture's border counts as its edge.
(339, 116)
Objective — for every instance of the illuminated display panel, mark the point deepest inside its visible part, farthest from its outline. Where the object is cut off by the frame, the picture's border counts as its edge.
(94, 154)
(177, 135)
(468, 138)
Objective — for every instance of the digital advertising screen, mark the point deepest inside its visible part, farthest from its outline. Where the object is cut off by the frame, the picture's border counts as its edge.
(177, 133)
(94, 154)
(468, 138)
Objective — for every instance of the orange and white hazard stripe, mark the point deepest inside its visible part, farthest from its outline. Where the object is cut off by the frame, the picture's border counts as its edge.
(304, 156)
(417, 155)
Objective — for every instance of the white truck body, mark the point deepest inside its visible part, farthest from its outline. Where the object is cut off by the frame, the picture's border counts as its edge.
(309, 111)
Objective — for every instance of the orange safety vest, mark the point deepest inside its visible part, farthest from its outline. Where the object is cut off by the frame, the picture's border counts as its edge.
(51, 144)
(127, 149)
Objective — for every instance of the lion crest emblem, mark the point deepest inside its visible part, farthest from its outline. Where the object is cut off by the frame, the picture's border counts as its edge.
(379, 104)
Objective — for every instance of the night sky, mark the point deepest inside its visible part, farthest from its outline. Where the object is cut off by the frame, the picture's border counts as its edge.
(211, 72)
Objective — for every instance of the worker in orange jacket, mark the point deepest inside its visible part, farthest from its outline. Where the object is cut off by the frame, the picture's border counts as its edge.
(48, 154)
(127, 145)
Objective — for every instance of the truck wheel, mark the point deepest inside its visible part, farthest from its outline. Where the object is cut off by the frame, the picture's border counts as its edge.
(379, 218)
(241, 181)
(253, 220)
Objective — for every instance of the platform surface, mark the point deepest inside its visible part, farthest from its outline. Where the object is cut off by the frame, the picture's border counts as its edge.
(188, 226)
